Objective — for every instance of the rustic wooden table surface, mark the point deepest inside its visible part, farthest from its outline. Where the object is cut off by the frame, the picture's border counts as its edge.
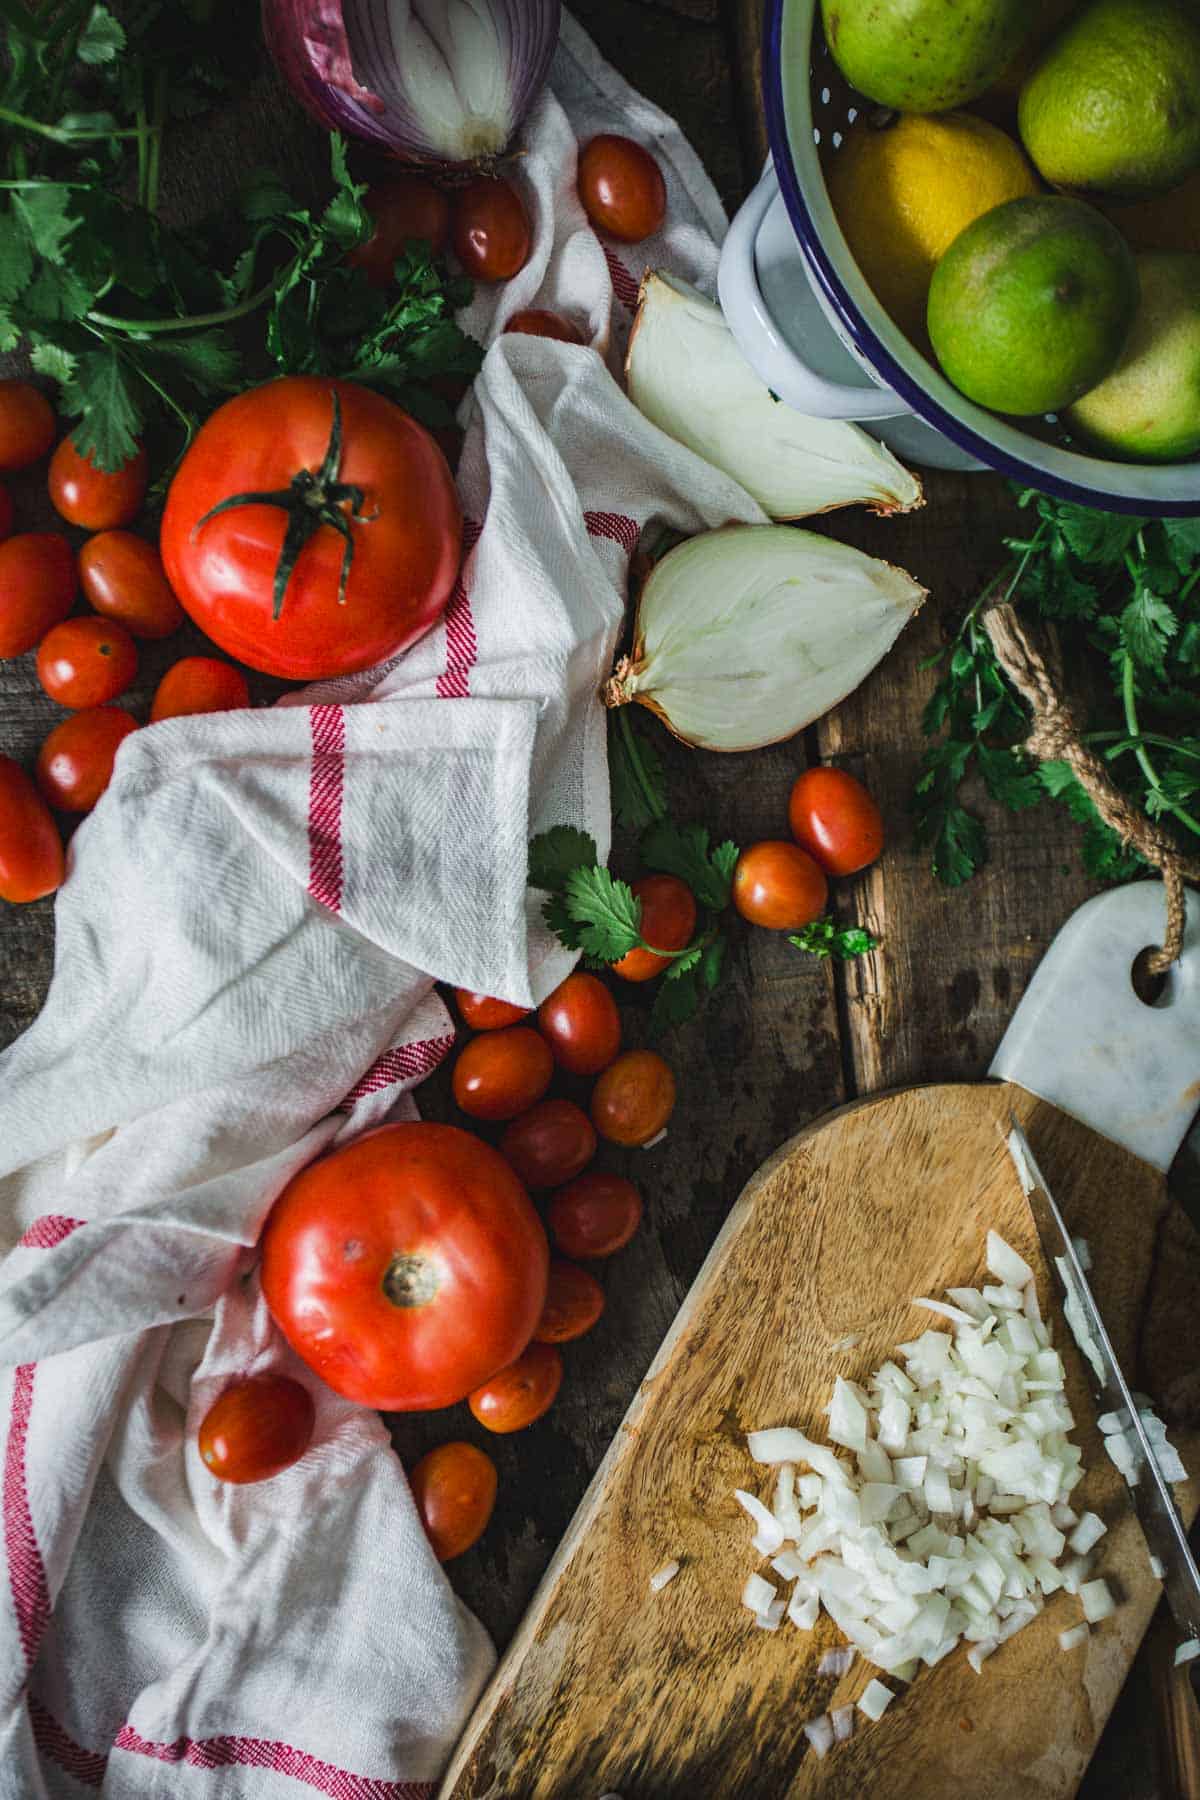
(789, 1037)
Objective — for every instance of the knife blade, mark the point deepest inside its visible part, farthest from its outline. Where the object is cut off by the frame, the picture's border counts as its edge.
(1152, 1499)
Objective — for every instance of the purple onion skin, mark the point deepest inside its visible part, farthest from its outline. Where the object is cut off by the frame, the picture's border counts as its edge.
(310, 41)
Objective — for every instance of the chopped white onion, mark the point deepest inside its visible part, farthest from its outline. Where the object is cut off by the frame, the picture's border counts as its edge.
(1071, 1640)
(1004, 1263)
(660, 1577)
(836, 1662)
(842, 1720)
(1087, 1533)
(875, 1700)
(851, 1341)
(759, 1594)
(769, 1536)
(1187, 1651)
(1156, 1568)
(1096, 1601)
(819, 1733)
(948, 1521)
(1083, 1253)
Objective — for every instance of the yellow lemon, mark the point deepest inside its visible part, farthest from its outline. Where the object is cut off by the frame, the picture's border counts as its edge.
(903, 192)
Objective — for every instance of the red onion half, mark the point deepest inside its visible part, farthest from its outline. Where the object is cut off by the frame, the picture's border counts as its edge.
(443, 81)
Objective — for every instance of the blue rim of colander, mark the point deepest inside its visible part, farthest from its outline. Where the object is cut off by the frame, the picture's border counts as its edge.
(877, 352)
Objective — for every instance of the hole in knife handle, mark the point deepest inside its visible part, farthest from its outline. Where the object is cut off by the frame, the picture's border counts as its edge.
(1151, 989)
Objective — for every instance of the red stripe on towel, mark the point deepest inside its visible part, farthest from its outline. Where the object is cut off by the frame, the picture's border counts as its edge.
(462, 649)
(328, 724)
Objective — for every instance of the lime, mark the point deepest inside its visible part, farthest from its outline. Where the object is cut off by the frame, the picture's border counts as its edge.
(925, 55)
(1148, 408)
(1031, 305)
(903, 192)
(1113, 107)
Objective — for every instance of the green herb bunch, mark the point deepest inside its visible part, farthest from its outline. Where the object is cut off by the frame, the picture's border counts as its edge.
(1123, 594)
(590, 909)
(143, 326)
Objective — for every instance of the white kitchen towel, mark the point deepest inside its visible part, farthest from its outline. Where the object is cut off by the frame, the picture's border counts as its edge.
(247, 943)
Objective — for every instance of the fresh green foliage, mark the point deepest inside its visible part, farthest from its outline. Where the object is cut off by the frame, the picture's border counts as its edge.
(588, 909)
(1123, 594)
(825, 937)
(146, 328)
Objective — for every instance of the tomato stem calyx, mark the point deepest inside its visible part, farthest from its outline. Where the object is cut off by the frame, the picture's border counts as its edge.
(310, 501)
(410, 1281)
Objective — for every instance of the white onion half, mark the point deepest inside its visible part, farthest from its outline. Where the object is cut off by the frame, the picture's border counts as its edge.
(686, 374)
(747, 634)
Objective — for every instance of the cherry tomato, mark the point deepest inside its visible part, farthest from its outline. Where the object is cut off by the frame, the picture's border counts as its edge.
(75, 763)
(535, 322)
(199, 684)
(668, 921)
(94, 498)
(6, 513)
(595, 1215)
(454, 1488)
(404, 209)
(86, 661)
(37, 588)
(260, 1426)
(405, 528)
(501, 1073)
(580, 1022)
(482, 1013)
(621, 188)
(574, 1301)
(407, 1267)
(521, 1393)
(491, 233)
(31, 852)
(551, 1143)
(634, 1098)
(26, 425)
(833, 817)
(122, 577)
(778, 885)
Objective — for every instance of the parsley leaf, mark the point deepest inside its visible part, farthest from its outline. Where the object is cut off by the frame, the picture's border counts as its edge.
(556, 854)
(102, 38)
(607, 911)
(825, 937)
(683, 850)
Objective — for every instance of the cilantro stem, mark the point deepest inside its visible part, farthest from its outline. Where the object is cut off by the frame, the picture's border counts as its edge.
(1190, 583)
(654, 805)
(191, 321)
(158, 120)
(60, 134)
(1148, 769)
(1122, 740)
(142, 152)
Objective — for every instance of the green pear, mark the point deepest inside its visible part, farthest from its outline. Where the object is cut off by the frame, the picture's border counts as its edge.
(925, 55)
(1148, 409)
(1113, 107)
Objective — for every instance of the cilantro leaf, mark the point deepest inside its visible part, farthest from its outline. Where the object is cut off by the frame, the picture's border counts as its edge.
(1183, 542)
(607, 911)
(102, 38)
(557, 853)
(683, 851)
(1095, 537)
(1008, 777)
(560, 922)
(712, 963)
(636, 774)
(45, 214)
(686, 961)
(1147, 624)
(104, 392)
(675, 1002)
(825, 937)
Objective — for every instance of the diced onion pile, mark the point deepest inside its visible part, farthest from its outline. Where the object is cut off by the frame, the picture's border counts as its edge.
(949, 1519)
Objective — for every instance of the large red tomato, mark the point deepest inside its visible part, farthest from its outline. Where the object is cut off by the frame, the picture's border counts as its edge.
(312, 528)
(406, 1268)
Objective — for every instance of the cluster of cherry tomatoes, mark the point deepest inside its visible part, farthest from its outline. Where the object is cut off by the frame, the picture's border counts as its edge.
(485, 222)
(86, 660)
(836, 829)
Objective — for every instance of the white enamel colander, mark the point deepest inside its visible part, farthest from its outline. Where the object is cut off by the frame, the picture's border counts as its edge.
(812, 329)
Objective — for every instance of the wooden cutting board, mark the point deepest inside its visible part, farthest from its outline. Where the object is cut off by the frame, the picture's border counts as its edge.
(610, 1687)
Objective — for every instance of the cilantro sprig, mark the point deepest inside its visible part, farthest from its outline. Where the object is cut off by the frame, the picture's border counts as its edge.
(145, 327)
(1123, 594)
(590, 909)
